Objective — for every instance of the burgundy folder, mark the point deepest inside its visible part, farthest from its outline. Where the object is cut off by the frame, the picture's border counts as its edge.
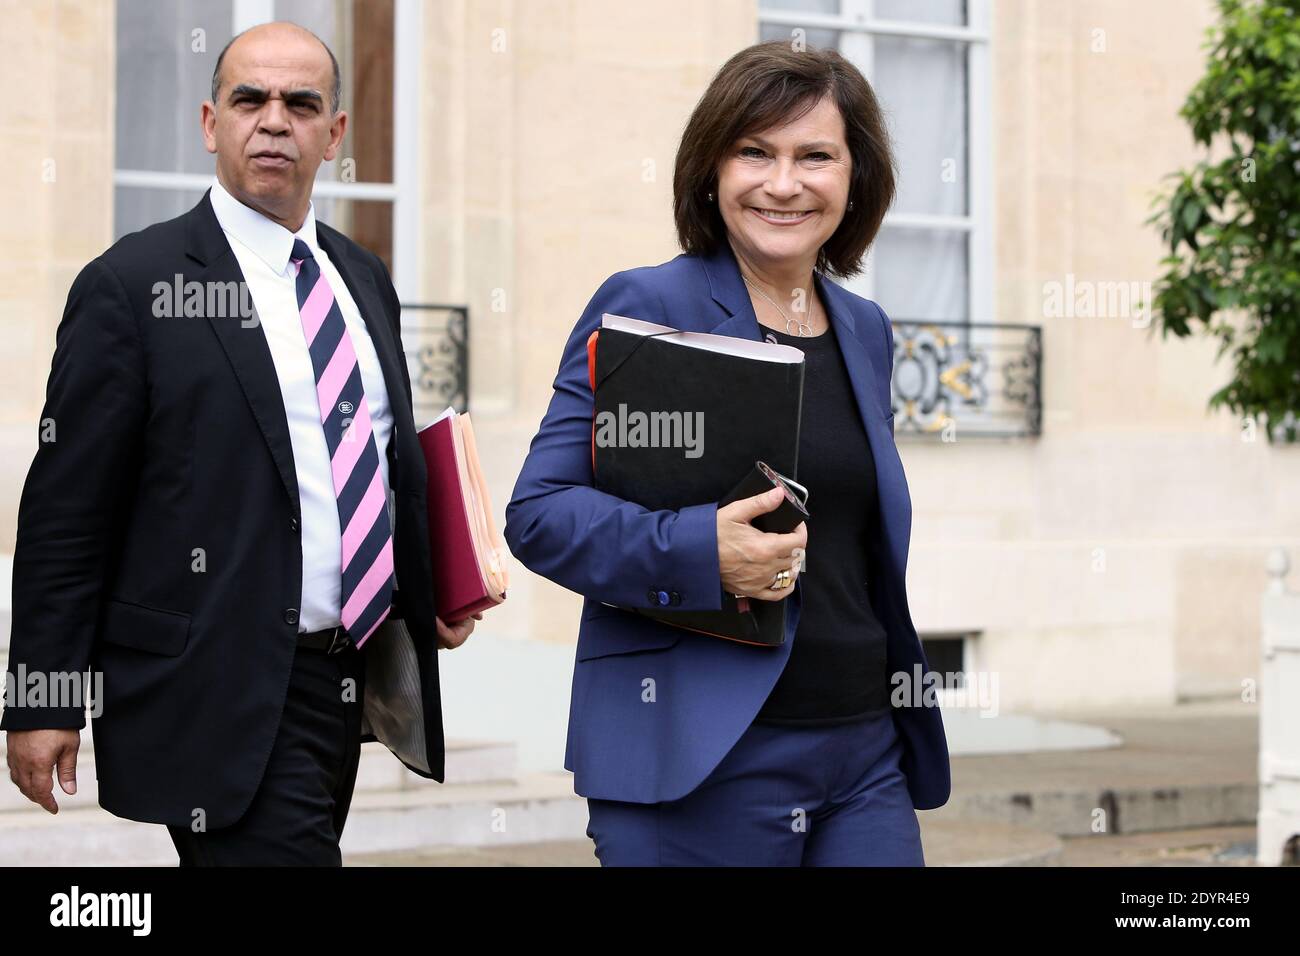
(469, 558)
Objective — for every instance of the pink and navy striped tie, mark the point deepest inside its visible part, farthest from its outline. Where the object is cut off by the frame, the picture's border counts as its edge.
(354, 456)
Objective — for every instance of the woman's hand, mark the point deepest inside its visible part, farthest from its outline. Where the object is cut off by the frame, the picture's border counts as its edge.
(454, 635)
(748, 559)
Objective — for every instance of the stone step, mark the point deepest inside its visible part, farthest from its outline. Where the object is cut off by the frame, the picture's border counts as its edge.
(1126, 809)
(945, 843)
(1193, 765)
(95, 838)
(468, 762)
(1064, 810)
(85, 836)
(535, 808)
(962, 843)
(536, 821)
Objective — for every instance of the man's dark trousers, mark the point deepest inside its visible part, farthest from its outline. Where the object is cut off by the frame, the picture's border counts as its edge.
(297, 815)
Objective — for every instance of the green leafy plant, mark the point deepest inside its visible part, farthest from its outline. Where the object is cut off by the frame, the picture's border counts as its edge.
(1233, 226)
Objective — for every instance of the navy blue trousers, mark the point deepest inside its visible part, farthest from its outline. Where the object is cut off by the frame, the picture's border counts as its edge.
(783, 796)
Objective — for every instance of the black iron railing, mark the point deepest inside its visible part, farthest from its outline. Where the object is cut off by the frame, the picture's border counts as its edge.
(967, 379)
(436, 339)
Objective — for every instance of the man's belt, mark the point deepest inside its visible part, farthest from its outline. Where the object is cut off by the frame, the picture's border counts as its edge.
(333, 640)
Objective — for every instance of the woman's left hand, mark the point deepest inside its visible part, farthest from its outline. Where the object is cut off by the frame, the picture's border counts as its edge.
(454, 635)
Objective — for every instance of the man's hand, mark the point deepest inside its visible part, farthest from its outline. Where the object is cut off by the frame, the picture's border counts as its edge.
(456, 634)
(33, 757)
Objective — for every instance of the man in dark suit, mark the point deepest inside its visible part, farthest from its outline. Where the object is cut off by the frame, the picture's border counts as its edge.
(226, 517)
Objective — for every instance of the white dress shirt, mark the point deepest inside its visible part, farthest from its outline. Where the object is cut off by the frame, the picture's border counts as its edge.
(262, 248)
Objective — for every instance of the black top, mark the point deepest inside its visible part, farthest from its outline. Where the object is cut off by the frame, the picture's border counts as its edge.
(837, 666)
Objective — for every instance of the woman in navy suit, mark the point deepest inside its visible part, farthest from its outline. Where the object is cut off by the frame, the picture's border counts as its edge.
(697, 750)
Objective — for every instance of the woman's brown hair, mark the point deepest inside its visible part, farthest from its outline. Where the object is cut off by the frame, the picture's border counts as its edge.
(772, 84)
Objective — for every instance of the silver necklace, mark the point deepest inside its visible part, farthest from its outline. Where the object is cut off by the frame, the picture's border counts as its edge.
(804, 331)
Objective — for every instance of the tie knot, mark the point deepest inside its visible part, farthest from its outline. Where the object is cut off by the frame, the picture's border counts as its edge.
(301, 251)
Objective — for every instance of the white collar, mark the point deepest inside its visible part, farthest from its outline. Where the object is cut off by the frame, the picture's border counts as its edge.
(268, 240)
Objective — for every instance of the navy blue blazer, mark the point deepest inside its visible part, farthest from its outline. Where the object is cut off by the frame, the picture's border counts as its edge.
(655, 708)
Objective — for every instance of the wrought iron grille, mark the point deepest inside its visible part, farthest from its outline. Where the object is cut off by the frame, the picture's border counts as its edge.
(436, 339)
(968, 379)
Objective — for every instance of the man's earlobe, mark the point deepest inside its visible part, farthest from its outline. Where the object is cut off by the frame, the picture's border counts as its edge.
(209, 137)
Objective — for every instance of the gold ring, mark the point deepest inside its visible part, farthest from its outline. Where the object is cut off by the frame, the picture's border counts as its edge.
(781, 581)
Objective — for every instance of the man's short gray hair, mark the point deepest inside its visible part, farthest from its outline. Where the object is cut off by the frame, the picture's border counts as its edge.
(338, 76)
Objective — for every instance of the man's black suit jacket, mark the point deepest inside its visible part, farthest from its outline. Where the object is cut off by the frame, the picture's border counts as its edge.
(159, 534)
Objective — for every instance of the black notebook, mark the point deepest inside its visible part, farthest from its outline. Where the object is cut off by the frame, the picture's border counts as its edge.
(682, 418)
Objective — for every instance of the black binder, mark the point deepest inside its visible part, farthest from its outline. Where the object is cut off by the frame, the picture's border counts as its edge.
(744, 402)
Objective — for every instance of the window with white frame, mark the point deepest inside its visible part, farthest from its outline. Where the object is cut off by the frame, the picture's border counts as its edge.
(165, 56)
(928, 61)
